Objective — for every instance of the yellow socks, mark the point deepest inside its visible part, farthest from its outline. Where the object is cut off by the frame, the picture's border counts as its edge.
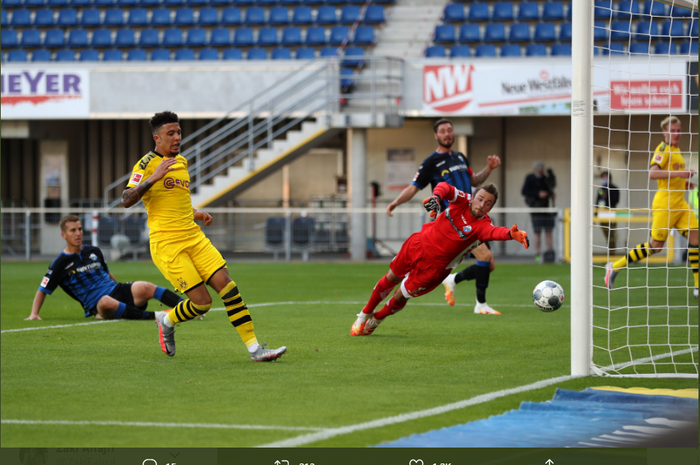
(238, 313)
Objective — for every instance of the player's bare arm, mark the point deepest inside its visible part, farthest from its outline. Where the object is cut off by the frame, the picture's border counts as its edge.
(36, 306)
(405, 195)
(492, 162)
(655, 172)
(132, 195)
(202, 216)
(113, 278)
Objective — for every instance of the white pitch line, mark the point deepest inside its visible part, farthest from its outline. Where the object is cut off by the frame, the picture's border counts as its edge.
(332, 432)
(35, 328)
(159, 425)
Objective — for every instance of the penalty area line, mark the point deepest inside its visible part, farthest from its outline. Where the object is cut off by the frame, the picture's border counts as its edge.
(36, 328)
(158, 425)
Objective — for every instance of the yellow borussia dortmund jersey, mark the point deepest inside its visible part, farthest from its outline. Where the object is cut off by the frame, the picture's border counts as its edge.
(670, 159)
(168, 202)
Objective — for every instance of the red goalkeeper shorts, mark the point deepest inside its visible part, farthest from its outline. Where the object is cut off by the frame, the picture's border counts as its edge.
(423, 274)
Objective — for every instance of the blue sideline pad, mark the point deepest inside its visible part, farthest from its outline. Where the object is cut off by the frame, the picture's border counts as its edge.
(571, 419)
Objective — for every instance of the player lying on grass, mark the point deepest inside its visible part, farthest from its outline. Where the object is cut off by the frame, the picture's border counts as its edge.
(428, 256)
(82, 273)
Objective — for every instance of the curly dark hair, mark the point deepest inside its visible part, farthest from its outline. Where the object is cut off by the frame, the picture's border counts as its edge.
(159, 119)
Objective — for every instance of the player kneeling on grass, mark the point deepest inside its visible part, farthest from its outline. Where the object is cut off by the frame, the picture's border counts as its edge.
(428, 256)
(82, 273)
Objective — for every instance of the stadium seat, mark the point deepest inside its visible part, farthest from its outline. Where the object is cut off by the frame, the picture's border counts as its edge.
(665, 48)
(57, 2)
(196, 37)
(600, 31)
(267, 36)
(256, 53)
(5, 21)
(654, 8)
(352, 56)
(243, 2)
(127, 3)
(16, 55)
(172, 2)
(338, 34)
(511, 50)
(33, 3)
(544, 32)
(101, 38)
(137, 17)
(30, 38)
(8, 38)
(478, 11)
(112, 55)
(645, 29)
(208, 16)
(291, 35)
(279, 15)
(469, 32)
(220, 37)
(102, 3)
(553, 10)
(444, 34)
(90, 17)
(305, 53)
(315, 35)
(693, 29)
(328, 52)
(519, 32)
(485, 50)
(54, 38)
(680, 12)
(502, 11)
(626, 9)
(460, 51)
(160, 17)
(220, 2)
(275, 232)
(613, 48)
(231, 16)
(149, 37)
(672, 28)
(565, 32)
(363, 35)
(561, 50)
(208, 54)
(454, 12)
(302, 15)
(303, 229)
(602, 9)
(326, 14)
(254, 16)
(374, 14)
(265, 2)
(67, 17)
(528, 11)
(349, 14)
(639, 48)
(232, 54)
(536, 50)
(688, 48)
(495, 32)
(620, 30)
(172, 37)
(12, 3)
(281, 53)
(184, 54)
(43, 17)
(21, 18)
(114, 17)
(346, 83)
(160, 54)
(136, 54)
(65, 55)
(184, 16)
(569, 12)
(435, 51)
(243, 36)
(126, 37)
(41, 55)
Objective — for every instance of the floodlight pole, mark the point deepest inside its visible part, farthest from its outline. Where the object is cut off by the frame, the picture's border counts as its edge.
(581, 176)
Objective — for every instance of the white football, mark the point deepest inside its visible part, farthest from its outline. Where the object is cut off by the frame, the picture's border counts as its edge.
(548, 296)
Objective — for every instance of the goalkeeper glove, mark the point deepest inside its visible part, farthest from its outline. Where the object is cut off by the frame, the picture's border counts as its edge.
(520, 236)
(432, 205)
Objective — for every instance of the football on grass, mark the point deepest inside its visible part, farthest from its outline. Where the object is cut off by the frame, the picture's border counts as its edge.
(548, 296)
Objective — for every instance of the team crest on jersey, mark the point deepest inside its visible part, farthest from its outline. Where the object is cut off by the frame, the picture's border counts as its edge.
(44, 281)
(136, 178)
(182, 283)
(467, 229)
(93, 257)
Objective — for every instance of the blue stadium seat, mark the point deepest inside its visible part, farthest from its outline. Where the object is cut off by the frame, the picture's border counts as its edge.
(536, 50)
(519, 32)
(460, 51)
(565, 32)
(103, 3)
(220, 2)
(127, 3)
(279, 15)
(645, 29)
(243, 36)
(553, 10)
(196, 37)
(346, 82)
(326, 14)
(137, 17)
(184, 16)
(79, 3)
(208, 16)
(232, 54)
(112, 55)
(349, 14)
(126, 37)
(8, 38)
(160, 54)
(318, 2)
(478, 11)
(569, 12)
(289, 2)
(602, 9)
(41, 55)
(30, 38)
(639, 48)
(220, 37)
(620, 30)
(21, 18)
(693, 28)
(65, 55)
(101, 38)
(54, 38)
(315, 35)
(281, 53)
(114, 17)
(511, 50)
(160, 17)
(544, 32)
(254, 16)
(600, 31)
(672, 28)
(33, 3)
(17, 55)
(626, 9)
(267, 36)
(77, 38)
(469, 32)
(528, 11)
(654, 8)
(208, 54)
(172, 37)
(374, 14)
(265, 2)
(680, 12)
(363, 35)
(43, 17)
(172, 2)
(12, 3)
(57, 2)
(90, 17)
(559, 50)
(688, 48)
(184, 54)
(613, 48)
(435, 51)
(454, 12)
(502, 11)
(256, 53)
(444, 33)
(67, 17)
(352, 56)
(5, 21)
(149, 37)
(136, 54)
(485, 50)
(495, 32)
(305, 53)
(291, 35)
(338, 34)
(328, 52)
(302, 15)
(231, 16)
(665, 48)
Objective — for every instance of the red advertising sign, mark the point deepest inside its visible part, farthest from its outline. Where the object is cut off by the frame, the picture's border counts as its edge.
(647, 95)
(447, 88)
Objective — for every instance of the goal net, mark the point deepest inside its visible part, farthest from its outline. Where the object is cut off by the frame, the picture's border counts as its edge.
(644, 74)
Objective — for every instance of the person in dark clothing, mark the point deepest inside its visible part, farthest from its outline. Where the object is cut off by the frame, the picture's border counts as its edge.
(608, 197)
(538, 190)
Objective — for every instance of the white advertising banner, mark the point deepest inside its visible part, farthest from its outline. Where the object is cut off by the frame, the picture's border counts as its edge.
(49, 93)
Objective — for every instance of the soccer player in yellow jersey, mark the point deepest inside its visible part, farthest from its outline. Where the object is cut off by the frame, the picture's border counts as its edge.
(179, 248)
(669, 209)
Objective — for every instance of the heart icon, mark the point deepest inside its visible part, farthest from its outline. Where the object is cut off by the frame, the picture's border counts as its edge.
(415, 462)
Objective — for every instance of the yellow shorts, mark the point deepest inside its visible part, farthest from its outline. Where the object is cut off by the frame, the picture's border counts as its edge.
(680, 217)
(187, 262)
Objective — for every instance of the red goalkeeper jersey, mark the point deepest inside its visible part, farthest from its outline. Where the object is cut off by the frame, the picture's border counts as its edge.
(456, 232)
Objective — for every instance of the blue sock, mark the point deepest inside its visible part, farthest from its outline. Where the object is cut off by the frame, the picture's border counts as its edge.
(119, 312)
(158, 294)
(484, 264)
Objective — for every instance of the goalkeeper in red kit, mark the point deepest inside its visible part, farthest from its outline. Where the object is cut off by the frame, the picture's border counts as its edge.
(428, 256)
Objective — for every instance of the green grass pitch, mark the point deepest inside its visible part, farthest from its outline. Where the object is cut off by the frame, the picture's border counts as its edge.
(426, 356)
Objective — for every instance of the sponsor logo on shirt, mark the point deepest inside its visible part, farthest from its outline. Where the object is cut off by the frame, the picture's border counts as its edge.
(169, 183)
(136, 178)
(71, 264)
(44, 281)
